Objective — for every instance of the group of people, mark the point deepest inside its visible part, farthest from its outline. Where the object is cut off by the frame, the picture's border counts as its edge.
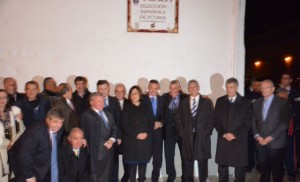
(59, 135)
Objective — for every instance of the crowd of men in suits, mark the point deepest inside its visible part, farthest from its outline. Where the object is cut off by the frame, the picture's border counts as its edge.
(77, 136)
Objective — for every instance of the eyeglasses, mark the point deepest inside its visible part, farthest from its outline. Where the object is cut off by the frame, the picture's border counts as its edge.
(3, 98)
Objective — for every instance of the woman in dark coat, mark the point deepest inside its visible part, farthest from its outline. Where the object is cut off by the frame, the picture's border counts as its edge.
(137, 124)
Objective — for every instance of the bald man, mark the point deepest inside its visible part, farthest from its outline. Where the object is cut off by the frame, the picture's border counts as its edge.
(72, 158)
(269, 128)
(11, 87)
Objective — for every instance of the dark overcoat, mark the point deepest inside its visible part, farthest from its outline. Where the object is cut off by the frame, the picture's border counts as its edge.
(233, 118)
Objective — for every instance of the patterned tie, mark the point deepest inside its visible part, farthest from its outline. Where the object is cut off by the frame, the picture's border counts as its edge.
(173, 105)
(101, 114)
(194, 109)
(154, 105)
(54, 166)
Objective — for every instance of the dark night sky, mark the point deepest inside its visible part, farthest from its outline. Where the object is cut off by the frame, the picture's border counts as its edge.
(272, 31)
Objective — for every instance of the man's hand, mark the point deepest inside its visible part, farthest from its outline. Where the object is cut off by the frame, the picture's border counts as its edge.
(266, 141)
(157, 124)
(109, 143)
(260, 140)
(84, 143)
(119, 141)
(19, 116)
(33, 179)
(229, 136)
(142, 136)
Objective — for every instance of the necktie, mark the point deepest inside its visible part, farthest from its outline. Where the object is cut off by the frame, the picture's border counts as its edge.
(194, 109)
(121, 102)
(231, 100)
(76, 152)
(265, 110)
(54, 166)
(106, 102)
(101, 114)
(154, 105)
(173, 105)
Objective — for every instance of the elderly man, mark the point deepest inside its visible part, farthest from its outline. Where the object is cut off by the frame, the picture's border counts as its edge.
(101, 132)
(11, 87)
(269, 128)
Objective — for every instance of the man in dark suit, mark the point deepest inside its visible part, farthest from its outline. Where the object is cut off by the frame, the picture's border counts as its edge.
(101, 133)
(193, 122)
(73, 159)
(156, 102)
(172, 100)
(270, 131)
(35, 152)
(64, 102)
(120, 92)
(81, 95)
(10, 85)
(49, 92)
(111, 104)
(233, 117)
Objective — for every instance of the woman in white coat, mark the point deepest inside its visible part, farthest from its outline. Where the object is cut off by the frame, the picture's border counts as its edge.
(11, 128)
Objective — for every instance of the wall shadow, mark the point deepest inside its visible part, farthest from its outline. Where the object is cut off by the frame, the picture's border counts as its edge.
(183, 83)
(1, 82)
(164, 85)
(40, 81)
(216, 87)
(143, 83)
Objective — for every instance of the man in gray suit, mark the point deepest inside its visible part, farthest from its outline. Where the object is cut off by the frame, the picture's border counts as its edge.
(269, 129)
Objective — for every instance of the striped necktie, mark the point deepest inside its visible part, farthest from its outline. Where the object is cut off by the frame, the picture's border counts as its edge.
(194, 109)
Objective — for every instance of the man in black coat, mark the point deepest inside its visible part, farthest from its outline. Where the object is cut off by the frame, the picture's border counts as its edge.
(101, 133)
(156, 102)
(193, 122)
(64, 102)
(34, 153)
(111, 104)
(81, 95)
(73, 159)
(120, 92)
(270, 131)
(232, 120)
(172, 100)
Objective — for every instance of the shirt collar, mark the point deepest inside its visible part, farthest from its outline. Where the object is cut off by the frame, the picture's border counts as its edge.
(196, 98)
(270, 98)
(97, 111)
(232, 98)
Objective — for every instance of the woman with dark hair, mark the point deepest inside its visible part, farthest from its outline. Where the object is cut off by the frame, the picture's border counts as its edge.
(11, 128)
(137, 125)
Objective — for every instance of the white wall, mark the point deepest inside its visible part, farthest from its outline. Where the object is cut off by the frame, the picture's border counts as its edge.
(40, 38)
